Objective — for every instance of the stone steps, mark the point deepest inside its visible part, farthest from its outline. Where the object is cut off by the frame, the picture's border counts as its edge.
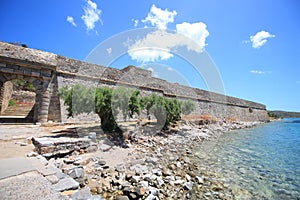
(18, 110)
(19, 113)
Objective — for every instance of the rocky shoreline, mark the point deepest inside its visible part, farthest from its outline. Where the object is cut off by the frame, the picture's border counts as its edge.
(164, 165)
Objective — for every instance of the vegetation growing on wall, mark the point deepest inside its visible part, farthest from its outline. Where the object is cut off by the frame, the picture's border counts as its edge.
(107, 103)
(20, 84)
(12, 102)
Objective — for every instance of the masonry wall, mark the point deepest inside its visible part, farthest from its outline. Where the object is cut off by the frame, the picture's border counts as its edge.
(207, 103)
(59, 71)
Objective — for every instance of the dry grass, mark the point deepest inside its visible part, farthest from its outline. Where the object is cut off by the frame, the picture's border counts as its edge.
(205, 117)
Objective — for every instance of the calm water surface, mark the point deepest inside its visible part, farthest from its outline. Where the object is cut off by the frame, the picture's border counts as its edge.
(264, 160)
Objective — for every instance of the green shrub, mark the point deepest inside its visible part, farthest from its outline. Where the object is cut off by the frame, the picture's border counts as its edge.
(12, 102)
(187, 107)
(273, 115)
(20, 84)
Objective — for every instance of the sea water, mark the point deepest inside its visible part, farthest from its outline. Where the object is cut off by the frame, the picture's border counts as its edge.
(264, 160)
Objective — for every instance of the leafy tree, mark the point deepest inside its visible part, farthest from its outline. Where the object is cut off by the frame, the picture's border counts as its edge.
(78, 98)
(172, 107)
(165, 110)
(134, 104)
(127, 100)
(81, 99)
(103, 108)
(187, 107)
(106, 102)
(120, 99)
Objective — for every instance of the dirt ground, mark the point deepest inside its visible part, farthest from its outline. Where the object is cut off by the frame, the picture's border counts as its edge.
(11, 149)
(15, 141)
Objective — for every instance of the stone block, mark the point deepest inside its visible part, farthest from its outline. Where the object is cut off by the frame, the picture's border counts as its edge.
(50, 147)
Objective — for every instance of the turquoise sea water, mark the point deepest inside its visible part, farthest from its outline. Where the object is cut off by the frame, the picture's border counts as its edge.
(264, 160)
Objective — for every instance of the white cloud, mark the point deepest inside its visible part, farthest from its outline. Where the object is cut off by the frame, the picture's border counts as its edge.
(149, 55)
(91, 15)
(260, 38)
(260, 72)
(71, 20)
(170, 69)
(196, 31)
(158, 45)
(135, 22)
(160, 18)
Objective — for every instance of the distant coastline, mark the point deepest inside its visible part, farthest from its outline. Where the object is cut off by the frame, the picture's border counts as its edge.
(284, 114)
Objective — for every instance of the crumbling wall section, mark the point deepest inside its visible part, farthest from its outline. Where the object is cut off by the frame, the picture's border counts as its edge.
(6, 93)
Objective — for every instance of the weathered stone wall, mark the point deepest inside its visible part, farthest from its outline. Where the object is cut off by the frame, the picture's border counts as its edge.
(6, 93)
(65, 71)
(54, 110)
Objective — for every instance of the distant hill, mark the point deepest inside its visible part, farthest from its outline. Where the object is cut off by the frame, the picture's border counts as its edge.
(284, 114)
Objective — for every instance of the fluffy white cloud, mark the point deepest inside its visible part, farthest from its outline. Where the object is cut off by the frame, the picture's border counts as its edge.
(160, 18)
(196, 31)
(159, 44)
(260, 72)
(71, 20)
(260, 38)
(91, 15)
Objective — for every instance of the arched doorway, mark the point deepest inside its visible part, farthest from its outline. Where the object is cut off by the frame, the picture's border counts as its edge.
(18, 101)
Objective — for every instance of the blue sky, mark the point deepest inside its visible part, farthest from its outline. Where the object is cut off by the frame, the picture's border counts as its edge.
(253, 44)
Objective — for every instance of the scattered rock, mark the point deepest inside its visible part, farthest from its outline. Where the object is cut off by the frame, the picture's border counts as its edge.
(76, 172)
(93, 136)
(188, 185)
(105, 147)
(67, 183)
(92, 148)
(53, 179)
(84, 194)
(21, 143)
(101, 162)
(122, 198)
(69, 160)
(32, 154)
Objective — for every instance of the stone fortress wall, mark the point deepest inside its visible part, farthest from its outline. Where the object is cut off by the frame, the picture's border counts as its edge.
(18, 61)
